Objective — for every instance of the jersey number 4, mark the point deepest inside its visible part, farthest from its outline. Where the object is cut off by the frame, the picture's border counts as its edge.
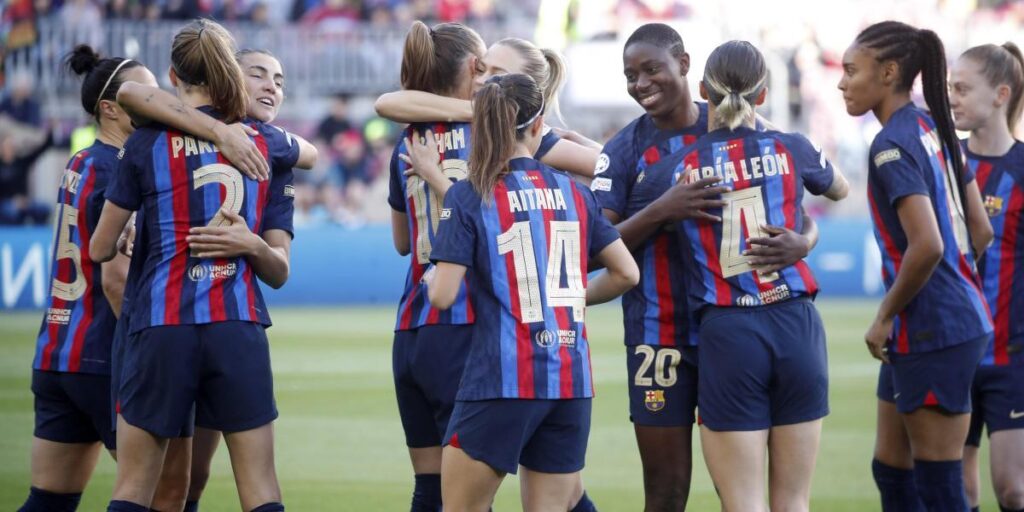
(563, 255)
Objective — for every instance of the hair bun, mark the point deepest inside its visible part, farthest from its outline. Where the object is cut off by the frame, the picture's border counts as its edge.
(83, 59)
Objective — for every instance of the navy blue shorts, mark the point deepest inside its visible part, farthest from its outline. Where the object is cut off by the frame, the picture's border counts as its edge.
(549, 436)
(72, 407)
(997, 399)
(427, 367)
(662, 385)
(215, 376)
(940, 378)
(116, 354)
(885, 390)
(762, 367)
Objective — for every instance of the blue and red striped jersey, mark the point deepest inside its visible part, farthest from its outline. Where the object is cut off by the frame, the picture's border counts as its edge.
(414, 197)
(654, 312)
(78, 325)
(1001, 180)
(180, 182)
(527, 248)
(907, 158)
(767, 172)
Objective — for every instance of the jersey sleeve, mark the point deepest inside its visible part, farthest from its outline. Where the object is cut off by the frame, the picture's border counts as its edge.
(547, 141)
(896, 172)
(602, 233)
(280, 209)
(396, 193)
(456, 236)
(282, 148)
(816, 170)
(614, 173)
(124, 188)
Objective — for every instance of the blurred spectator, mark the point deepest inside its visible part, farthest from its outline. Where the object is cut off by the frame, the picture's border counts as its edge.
(333, 15)
(19, 104)
(84, 20)
(16, 205)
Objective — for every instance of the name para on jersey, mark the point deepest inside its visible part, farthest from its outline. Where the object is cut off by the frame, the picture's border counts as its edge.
(191, 146)
(764, 166)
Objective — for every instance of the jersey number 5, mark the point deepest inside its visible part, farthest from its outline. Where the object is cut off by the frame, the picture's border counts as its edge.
(66, 249)
(743, 213)
(563, 253)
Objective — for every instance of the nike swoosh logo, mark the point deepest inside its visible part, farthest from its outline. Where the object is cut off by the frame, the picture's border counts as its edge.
(1014, 415)
(897, 395)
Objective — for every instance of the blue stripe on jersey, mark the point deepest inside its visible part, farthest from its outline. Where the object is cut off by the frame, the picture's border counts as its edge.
(499, 280)
(545, 371)
(776, 197)
(64, 356)
(581, 387)
(993, 266)
(210, 204)
(652, 327)
(164, 217)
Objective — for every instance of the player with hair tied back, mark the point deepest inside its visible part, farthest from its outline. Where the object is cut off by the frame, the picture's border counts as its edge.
(182, 479)
(771, 405)
(933, 325)
(71, 371)
(197, 351)
(523, 234)
(987, 95)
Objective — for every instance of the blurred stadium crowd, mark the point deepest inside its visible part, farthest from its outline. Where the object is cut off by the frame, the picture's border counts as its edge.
(339, 54)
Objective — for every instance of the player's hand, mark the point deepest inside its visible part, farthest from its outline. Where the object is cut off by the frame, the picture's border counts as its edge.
(126, 242)
(428, 276)
(877, 338)
(228, 241)
(690, 200)
(235, 143)
(781, 248)
(423, 157)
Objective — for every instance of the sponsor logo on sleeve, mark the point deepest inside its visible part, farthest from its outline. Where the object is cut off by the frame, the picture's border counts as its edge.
(601, 184)
(889, 155)
(289, 191)
(602, 164)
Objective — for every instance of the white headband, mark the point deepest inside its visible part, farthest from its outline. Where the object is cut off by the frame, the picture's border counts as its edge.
(96, 107)
(533, 118)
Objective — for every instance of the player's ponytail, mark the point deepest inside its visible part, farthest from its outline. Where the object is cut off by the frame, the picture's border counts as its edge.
(101, 78)
(433, 57)
(203, 55)
(734, 76)
(921, 52)
(503, 109)
(545, 67)
(1002, 65)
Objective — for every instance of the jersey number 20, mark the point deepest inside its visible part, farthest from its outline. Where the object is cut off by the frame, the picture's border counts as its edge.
(563, 252)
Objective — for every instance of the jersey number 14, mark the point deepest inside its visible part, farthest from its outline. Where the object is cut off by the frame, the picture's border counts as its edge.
(564, 252)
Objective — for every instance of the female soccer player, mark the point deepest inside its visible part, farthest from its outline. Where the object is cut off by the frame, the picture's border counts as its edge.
(572, 153)
(430, 345)
(71, 371)
(660, 335)
(264, 79)
(933, 324)
(197, 342)
(987, 95)
(523, 234)
(773, 402)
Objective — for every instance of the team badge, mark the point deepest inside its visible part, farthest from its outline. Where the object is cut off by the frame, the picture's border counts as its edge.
(602, 164)
(993, 205)
(654, 399)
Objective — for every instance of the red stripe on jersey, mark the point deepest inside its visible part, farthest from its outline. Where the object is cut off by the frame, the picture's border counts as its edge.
(261, 202)
(902, 338)
(651, 155)
(805, 273)
(78, 341)
(416, 270)
(583, 216)
(1007, 258)
(181, 223)
(723, 295)
(524, 349)
(216, 298)
(788, 186)
(982, 174)
(663, 288)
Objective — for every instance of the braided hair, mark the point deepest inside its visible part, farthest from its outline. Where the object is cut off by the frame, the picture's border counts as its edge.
(920, 51)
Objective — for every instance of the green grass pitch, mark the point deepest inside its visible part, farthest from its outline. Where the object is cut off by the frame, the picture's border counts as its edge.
(340, 444)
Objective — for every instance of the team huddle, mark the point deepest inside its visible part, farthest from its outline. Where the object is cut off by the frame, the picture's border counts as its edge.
(154, 342)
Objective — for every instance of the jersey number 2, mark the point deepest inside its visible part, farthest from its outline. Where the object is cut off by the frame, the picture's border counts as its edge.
(234, 186)
(563, 252)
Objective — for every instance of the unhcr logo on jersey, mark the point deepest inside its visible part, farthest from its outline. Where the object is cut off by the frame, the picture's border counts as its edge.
(202, 272)
(545, 338)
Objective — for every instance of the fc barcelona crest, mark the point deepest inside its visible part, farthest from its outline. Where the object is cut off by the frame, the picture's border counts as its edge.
(654, 399)
(993, 205)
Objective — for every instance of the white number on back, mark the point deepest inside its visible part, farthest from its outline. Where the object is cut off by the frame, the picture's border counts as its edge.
(427, 218)
(665, 361)
(564, 251)
(66, 249)
(234, 186)
(743, 210)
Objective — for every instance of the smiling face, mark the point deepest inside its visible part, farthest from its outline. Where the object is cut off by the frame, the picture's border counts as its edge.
(655, 79)
(973, 100)
(264, 80)
(864, 80)
(499, 60)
